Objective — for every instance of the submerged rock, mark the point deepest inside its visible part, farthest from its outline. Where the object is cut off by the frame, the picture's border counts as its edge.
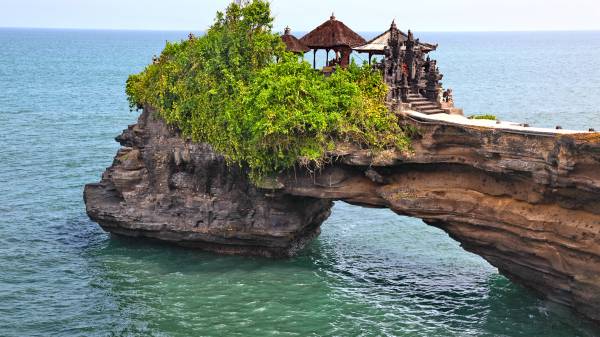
(528, 203)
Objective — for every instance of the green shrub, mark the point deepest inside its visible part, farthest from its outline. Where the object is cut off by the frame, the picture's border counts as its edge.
(227, 89)
(488, 117)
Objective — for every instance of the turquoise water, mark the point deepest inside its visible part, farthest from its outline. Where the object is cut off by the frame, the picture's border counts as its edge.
(371, 273)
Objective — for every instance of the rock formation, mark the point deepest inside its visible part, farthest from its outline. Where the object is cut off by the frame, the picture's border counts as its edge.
(528, 203)
(165, 188)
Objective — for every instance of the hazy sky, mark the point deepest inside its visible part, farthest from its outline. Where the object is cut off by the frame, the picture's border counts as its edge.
(361, 15)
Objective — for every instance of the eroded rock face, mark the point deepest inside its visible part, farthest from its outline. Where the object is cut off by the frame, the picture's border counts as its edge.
(165, 188)
(527, 203)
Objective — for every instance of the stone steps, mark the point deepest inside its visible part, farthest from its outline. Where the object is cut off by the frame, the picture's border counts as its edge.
(423, 105)
(429, 108)
(433, 111)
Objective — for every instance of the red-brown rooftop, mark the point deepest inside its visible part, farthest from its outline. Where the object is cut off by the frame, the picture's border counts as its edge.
(331, 34)
(292, 43)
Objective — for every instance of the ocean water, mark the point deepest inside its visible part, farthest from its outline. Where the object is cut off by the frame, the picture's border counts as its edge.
(370, 273)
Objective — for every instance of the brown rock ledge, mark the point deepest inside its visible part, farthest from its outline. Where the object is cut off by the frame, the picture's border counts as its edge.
(527, 203)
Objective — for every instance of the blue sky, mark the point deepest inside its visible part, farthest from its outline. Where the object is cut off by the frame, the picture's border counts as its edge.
(361, 15)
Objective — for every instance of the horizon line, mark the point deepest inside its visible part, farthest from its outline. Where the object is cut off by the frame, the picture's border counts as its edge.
(302, 31)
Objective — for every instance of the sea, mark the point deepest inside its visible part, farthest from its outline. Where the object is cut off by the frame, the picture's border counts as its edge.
(370, 272)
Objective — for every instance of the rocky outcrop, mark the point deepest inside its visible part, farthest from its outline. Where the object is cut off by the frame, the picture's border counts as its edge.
(165, 188)
(528, 203)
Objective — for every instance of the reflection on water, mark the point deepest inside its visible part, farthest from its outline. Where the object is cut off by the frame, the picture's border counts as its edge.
(380, 275)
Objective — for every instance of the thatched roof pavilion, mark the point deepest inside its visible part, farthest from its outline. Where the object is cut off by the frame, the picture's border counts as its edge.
(292, 44)
(377, 45)
(333, 35)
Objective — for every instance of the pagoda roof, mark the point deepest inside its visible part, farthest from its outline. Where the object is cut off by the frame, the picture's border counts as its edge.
(292, 43)
(377, 45)
(332, 33)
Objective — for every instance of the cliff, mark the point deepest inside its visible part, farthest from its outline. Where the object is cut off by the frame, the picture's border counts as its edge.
(165, 188)
(529, 203)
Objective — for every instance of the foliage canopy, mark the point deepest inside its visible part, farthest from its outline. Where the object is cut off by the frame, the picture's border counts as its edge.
(237, 89)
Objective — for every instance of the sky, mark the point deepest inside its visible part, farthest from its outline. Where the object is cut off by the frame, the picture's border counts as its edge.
(360, 15)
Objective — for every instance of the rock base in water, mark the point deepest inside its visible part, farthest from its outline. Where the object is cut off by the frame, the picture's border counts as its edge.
(165, 188)
(528, 203)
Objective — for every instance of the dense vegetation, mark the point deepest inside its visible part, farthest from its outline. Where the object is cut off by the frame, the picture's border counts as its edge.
(237, 89)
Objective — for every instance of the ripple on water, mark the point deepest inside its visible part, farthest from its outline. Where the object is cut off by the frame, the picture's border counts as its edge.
(370, 273)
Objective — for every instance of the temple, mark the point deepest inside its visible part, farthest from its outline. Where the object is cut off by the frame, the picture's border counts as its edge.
(377, 45)
(333, 35)
(413, 77)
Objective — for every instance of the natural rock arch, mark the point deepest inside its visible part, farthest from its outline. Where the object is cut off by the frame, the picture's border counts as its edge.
(527, 203)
